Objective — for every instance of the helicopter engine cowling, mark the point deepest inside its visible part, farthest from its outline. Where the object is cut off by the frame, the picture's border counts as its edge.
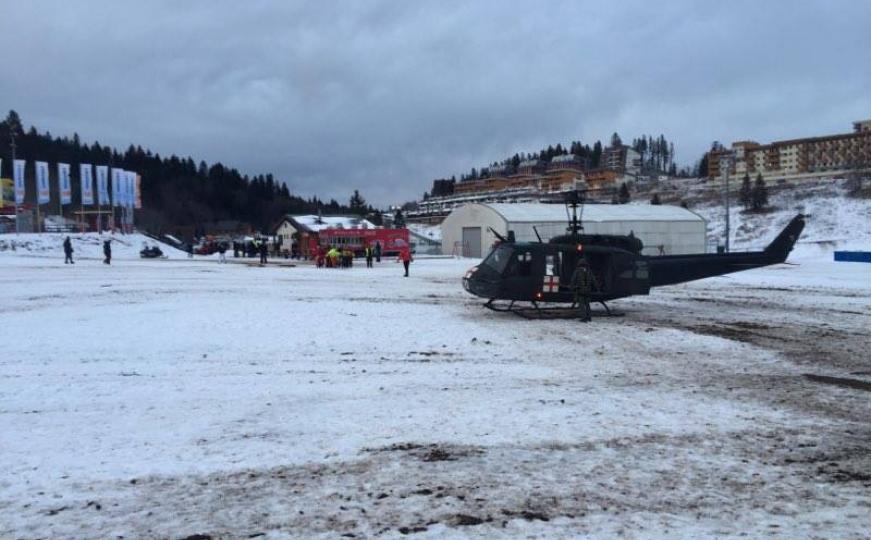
(628, 243)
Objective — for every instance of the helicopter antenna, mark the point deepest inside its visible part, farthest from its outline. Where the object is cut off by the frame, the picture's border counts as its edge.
(497, 235)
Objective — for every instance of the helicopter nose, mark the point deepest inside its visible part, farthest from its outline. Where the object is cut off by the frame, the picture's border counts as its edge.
(468, 277)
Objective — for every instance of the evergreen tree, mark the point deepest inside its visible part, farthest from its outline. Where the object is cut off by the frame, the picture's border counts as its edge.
(745, 194)
(596, 156)
(398, 219)
(703, 167)
(760, 194)
(357, 204)
(624, 196)
(615, 140)
(13, 123)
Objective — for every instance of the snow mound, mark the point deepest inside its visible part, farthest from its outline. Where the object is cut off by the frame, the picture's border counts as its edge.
(85, 245)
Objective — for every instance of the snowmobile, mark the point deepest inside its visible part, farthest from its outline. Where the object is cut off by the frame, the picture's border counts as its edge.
(152, 252)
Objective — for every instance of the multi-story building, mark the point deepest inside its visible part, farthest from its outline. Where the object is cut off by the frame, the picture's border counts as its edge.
(797, 159)
(622, 158)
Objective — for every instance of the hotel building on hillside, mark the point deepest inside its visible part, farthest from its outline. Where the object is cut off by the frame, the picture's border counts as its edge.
(560, 173)
(799, 159)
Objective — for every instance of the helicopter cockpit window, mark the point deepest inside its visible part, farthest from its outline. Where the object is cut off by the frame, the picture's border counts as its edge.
(524, 263)
(498, 258)
(552, 264)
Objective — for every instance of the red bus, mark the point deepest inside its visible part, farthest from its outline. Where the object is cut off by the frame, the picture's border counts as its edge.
(392, 241)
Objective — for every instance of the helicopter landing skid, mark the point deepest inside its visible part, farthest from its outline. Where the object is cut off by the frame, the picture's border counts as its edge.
(536, 311)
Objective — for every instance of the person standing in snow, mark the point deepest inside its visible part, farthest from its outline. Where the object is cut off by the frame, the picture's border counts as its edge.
(369, 254)
(68, 251)
(582, 283)
(377, 251)
(264, 248)
(405, 257)
(222, 250)
(107, 251)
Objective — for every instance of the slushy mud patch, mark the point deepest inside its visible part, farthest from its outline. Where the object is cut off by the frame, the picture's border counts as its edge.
(400, 489)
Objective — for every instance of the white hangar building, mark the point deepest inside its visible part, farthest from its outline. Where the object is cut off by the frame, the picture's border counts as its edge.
(665, 230)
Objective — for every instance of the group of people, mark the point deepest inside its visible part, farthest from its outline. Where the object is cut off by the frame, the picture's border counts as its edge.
(334, 257)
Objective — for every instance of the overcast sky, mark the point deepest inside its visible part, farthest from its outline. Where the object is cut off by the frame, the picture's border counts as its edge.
(385, 96)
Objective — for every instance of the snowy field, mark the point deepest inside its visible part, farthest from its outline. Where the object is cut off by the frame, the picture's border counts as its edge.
(168, 398)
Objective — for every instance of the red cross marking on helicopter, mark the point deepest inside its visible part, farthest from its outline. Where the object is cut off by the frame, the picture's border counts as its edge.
(551, 284)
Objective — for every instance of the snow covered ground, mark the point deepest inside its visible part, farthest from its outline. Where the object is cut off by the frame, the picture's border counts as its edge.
(167, 398)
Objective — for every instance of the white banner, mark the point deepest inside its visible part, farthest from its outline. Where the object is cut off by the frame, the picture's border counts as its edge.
(103, 184)
(18, 175)
(86, 175)
(65, 187)
(43, 192)
(117, 174)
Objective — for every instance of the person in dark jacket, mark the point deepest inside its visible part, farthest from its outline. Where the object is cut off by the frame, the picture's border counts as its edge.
(377, 251)
(68, 251)
(264, 249)
(369, 254)
(107, 252)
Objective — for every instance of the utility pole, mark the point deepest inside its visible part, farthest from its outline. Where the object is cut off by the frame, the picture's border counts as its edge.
(726, 165)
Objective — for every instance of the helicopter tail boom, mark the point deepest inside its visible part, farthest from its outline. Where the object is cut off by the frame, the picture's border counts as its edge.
(672, 269)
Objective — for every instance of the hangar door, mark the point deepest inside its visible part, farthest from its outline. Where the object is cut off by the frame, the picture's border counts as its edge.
(472, 242)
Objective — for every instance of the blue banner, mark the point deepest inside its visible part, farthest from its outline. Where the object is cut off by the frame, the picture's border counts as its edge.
(18, 175)
(86, 174)
(43, 193)
(65, 187)
(116, 186)
(103, 184)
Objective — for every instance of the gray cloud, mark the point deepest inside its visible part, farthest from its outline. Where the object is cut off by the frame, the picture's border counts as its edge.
(384, 96)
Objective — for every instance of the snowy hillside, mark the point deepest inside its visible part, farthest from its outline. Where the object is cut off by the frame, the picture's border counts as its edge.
(836, 220)
(433, 232)
(85, 245)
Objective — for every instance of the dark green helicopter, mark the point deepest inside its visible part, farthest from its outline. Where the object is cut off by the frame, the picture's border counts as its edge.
(535, 273)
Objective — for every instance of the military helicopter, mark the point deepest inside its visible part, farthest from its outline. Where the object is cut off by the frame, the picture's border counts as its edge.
(519, 277)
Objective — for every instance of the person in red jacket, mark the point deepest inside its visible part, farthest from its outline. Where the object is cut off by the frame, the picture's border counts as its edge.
(405, 257)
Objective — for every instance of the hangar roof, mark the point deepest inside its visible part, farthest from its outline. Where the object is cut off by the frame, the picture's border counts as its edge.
(312, 223)
(543, 213)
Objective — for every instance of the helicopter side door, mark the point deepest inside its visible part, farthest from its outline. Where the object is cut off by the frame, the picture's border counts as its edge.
(518, 282)
(630, 274)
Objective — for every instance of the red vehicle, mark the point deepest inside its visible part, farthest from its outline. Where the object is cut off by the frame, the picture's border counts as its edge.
(392, 241)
